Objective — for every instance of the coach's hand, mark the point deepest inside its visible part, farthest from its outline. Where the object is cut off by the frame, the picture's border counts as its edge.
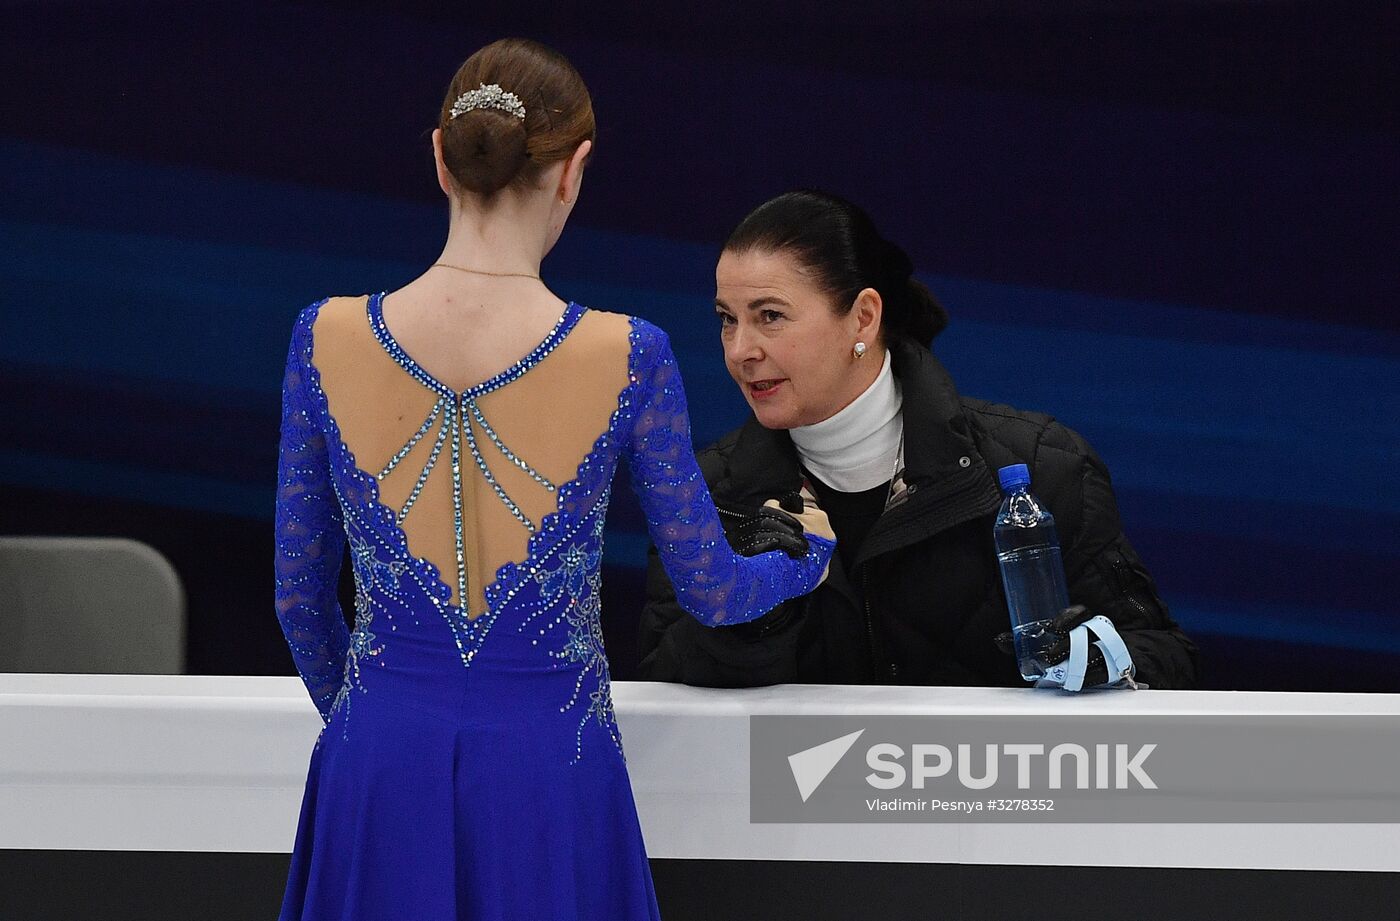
(1057, 652)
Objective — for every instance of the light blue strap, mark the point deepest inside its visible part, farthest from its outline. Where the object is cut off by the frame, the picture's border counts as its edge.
(1115, 651)
(1117, 659)
(1078, 658)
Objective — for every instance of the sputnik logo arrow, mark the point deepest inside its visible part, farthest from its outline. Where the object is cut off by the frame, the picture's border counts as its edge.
(812, 765)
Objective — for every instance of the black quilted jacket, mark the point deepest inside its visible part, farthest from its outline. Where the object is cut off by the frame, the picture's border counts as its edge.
(924, 597)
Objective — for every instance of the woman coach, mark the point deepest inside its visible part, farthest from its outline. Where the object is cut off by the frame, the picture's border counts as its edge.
(828, 336)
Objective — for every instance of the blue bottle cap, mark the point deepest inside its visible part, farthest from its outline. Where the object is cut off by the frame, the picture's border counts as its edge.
(1013, 476)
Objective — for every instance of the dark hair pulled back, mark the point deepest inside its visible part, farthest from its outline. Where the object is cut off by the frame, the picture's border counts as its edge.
(837, 242)
(487, 150)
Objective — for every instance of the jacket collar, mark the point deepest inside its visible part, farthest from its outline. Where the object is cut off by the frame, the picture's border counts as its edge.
(936, 433)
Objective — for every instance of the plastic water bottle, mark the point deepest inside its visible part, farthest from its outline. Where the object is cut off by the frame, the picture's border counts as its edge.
(1028, 550)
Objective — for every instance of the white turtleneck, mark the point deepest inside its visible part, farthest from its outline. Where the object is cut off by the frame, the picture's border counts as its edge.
(855, 449)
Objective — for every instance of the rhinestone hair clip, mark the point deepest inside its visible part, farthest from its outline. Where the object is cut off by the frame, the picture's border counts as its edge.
(488, 96)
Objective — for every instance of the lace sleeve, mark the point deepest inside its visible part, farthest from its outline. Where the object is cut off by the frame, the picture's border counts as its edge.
(713, 584)
(310, 536)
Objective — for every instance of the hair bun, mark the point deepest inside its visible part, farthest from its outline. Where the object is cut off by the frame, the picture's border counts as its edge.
(911, 308)
(924, 316)
(485, 149)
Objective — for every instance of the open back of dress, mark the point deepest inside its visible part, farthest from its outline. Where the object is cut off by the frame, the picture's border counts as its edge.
(470, 474)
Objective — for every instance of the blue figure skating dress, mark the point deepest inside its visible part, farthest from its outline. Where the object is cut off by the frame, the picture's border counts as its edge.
(470, 766)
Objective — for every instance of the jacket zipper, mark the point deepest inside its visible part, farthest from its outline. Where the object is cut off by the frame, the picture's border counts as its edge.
(869, 618)
(1118, 567)
(887, 671)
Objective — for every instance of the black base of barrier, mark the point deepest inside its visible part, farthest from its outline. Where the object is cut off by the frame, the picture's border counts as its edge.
(153, 886)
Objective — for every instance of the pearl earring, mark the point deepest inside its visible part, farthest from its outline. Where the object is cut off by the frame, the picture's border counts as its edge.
(859, 350)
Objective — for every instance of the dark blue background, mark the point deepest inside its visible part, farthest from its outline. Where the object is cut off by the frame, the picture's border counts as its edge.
(1183, 217)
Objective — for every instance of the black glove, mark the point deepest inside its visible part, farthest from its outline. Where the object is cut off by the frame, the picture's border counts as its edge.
(1058, 651)
(754, 530)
